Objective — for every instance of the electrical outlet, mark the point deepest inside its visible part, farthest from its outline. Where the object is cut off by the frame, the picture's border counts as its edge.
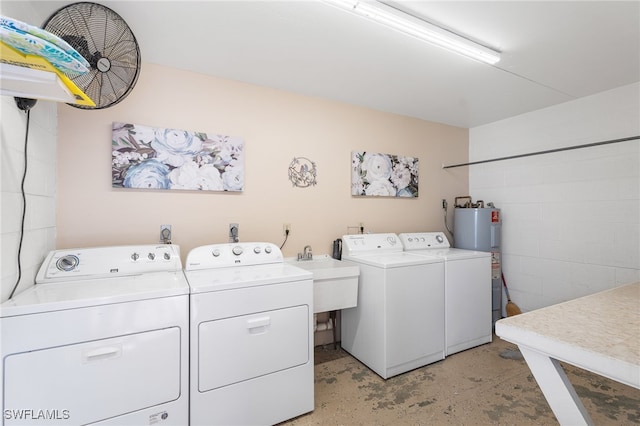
(286, 228)
(444, 203)
(165, 234)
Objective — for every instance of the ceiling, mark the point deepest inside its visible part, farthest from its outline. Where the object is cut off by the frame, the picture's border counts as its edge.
(552, 51)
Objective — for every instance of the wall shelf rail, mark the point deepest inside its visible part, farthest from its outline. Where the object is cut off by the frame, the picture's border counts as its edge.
(549, 151)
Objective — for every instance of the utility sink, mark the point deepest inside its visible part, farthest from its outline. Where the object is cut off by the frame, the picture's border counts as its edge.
(335, 283)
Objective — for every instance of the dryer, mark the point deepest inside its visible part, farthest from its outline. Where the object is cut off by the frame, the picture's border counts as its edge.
(398, 323)
(467, 284)
(251, 335)
(101, 338)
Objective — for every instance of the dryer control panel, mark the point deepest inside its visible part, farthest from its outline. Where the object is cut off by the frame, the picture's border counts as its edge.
(232, 254)
(97, 262)
(424, 240)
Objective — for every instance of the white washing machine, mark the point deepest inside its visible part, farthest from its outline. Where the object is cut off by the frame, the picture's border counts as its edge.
(251, 335)
(101, 338)
(467, 277)
(398, 323)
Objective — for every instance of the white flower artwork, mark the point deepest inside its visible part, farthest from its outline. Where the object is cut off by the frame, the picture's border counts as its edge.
(157, 158)
(383, 175)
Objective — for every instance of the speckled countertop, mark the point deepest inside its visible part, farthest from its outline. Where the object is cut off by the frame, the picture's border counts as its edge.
(599, 332)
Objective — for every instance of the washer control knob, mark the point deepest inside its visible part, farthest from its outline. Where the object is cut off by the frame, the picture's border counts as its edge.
(135, 256)
(257, 250)
(67, 263)
(267, 249)
(151, 256)
(215, 252)
(439, 238)
(167, 256)
(237, 250)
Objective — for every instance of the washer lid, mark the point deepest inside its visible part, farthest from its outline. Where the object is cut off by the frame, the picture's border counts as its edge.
(392, 260)
(94, 292)
(234, 277)
(452, 253)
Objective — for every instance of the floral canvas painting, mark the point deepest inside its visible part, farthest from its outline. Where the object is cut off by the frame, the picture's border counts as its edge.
(158, 158)
(383, 175)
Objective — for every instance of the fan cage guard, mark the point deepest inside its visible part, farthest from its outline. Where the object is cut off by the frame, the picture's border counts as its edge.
(105, 40)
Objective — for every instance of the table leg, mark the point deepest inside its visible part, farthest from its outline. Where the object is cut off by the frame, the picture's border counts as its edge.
(557, 388)
(332, 316)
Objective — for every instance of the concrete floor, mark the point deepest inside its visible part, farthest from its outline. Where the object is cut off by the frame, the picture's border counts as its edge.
(490, 384)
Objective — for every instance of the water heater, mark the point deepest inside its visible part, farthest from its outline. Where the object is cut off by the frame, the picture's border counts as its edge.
(479, 229)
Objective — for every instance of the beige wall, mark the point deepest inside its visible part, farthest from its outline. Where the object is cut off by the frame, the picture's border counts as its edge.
(276, 126)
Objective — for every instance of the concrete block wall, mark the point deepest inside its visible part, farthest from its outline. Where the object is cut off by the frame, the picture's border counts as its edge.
(571, 219)
(40, 188)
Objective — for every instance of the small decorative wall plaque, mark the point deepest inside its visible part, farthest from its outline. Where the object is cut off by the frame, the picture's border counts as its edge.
(383, 175)
(158, 158)
(302, 172)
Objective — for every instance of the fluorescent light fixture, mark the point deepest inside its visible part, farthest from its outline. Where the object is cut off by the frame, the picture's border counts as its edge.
(422, 30)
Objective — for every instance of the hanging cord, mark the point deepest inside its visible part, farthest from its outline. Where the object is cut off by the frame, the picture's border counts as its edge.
(446, 224)
(286, 237)
(27, 108)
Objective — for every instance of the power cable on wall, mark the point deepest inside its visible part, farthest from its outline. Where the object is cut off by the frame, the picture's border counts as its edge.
(549, 151)
(24, 105)
(286, 237)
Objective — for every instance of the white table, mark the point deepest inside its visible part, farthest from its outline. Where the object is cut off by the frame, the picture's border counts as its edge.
(599, 333)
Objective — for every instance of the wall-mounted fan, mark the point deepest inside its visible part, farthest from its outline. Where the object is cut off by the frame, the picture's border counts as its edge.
(105, 40)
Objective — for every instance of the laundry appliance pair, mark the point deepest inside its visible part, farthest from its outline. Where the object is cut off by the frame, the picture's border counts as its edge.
(418, 300)
(122, 335)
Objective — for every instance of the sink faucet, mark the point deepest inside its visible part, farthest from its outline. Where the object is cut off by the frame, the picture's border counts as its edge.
(306, 254)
